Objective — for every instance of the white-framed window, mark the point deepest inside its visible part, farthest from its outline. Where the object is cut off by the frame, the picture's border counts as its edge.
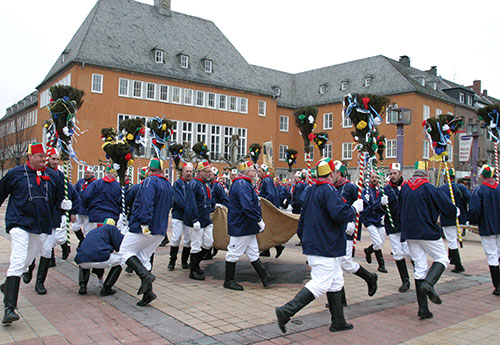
(188, 96)
(425, 150)
(346, 121)
(144, 152)
(187, 133)
(215, 138)
(438, 111)
(282, 152)
(426, 112)
(222, 102)
(242, 142)
(201, 132)
(200, 98)
(150, 90)
(99, 171)
(284, 120)
(137, 89)
(368, 81)
(208, 66)
(243, 105)
(262, 108)
(159, 56)
(328, 151)
(163, 96)
(461, 96)
(184, 61)
(176, 94)
(123, 87)
(233, 103)
(343, 85)
(391, 149)
(97, 83)
(228, 132)
(322, 89)
(449, 149)
(346, 151)
(327, 121)
(309, 155)
(211, 100)
(469, 100)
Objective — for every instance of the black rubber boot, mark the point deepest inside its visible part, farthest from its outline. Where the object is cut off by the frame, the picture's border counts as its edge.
(27, 276)
(66, 249)
(41, 275)
(99, 272)
(380, 260)
(427, 285)
(148, 297)
(450, 257)
(344, 299)
(229, 282)
(151, 261)
(262, 272)
(52, 259)
(79, 234)
(139, 269)
(495, 278)
(403, 273)
(423, 308)
(279, 250)
(369, 278)
(284, 313)
(455, 258)
(107, 287)
(164, 242)
(185, 257)
(207, 254)
(368, 253)
(11, 291)
(337, 312)
(194, 266)
(83, 279)
(173, 258)
(266, 253)
(129, 270)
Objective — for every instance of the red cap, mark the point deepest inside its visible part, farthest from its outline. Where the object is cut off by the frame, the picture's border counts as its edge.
(35, 148)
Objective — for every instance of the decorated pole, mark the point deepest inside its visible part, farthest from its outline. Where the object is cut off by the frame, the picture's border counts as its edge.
(361, 165)
(452, 195)
(490, 116)
(305, 120)
(496, 161)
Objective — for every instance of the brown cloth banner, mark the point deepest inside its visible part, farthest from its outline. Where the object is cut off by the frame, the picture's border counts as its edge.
(280, 226)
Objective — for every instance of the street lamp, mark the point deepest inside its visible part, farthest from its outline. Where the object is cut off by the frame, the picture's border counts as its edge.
(473, 130)
(400, 117)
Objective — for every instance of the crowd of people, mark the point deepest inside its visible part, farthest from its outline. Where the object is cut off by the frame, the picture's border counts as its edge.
(122, 226)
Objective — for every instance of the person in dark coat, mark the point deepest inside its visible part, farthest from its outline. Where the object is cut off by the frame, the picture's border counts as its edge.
(81, 226)
(219, 195)
(33, 192)
(449, 224)
(421, 203)
(297, 191)
(483, 211)
(244, 222)
(147, 227)
(322, 231)
(399, 249)
(100, 250)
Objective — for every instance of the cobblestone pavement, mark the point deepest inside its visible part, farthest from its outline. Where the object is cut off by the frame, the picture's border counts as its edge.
(191, 312)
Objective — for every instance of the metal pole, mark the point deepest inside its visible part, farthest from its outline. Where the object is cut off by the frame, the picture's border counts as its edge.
(399, 143)
(474, 160)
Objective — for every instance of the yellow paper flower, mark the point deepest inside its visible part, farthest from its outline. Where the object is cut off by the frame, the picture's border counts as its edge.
(130, 136)
(361, 125)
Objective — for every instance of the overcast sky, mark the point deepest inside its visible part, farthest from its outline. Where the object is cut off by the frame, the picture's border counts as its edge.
(461, 38)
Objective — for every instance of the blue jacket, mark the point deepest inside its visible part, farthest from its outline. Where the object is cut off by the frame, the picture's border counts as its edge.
(244, 210)
(219, 195)
(283, 193)
(349, 194)
(322, 221)
(483, 208)
(462, 198)
(421, 203)
(393, 191)
(198, 204)
(80, 186)
(103, 200)
(297, 199)
(130, 195)
(179, 200)
(73, 196)
(268, 191)
(99, 244)
(31, 204)
(372, 212)
(152, 206)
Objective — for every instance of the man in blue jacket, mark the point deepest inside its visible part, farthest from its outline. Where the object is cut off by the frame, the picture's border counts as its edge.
(322, 231)
(34, 191)
(483, 211)
(399, 249)
(297, 190)
(100, 250)
(244, 222)
(449, 224)
(147, 227)
(421, 203)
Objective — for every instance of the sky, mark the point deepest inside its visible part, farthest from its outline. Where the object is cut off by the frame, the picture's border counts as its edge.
(460, 37)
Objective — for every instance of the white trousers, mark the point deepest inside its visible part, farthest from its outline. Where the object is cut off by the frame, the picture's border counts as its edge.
(114, 260)
(377, 236)
(57, 237)
(179, 230)
(89, 228)
(399, 249)
(201, 238)
(348, 265)
(326, 275)
(491, 246)
(451, 235)
(139, 245)
(242, 245)
(419, 250)
(82, 223)
(25, 247)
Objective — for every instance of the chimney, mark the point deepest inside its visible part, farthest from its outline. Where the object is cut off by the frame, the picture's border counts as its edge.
(476, 86)
(405, 60)
(163, 7)
(433, 71)
(485, 92)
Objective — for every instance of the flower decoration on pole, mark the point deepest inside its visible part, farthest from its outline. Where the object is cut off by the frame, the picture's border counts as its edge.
(133, 132)
(176, 151)
(291, 157)
(320, 139)
(120, 156)
(201, 149)
(305, 120)
(108, 134)
(254, 152)
(489, 117)
(439, 131)
(161, 130)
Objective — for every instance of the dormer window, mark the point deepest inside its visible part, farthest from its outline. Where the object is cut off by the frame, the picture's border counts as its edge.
(433, 84)
(421, 80)
(64, 55)
(159, 56)
(277, 91)
(343, 85)
(368, 81)
(322, 89)
(184, 61)
(208, 66)
(462, 97)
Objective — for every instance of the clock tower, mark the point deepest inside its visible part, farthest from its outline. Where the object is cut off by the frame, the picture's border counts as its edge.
(163, 7)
